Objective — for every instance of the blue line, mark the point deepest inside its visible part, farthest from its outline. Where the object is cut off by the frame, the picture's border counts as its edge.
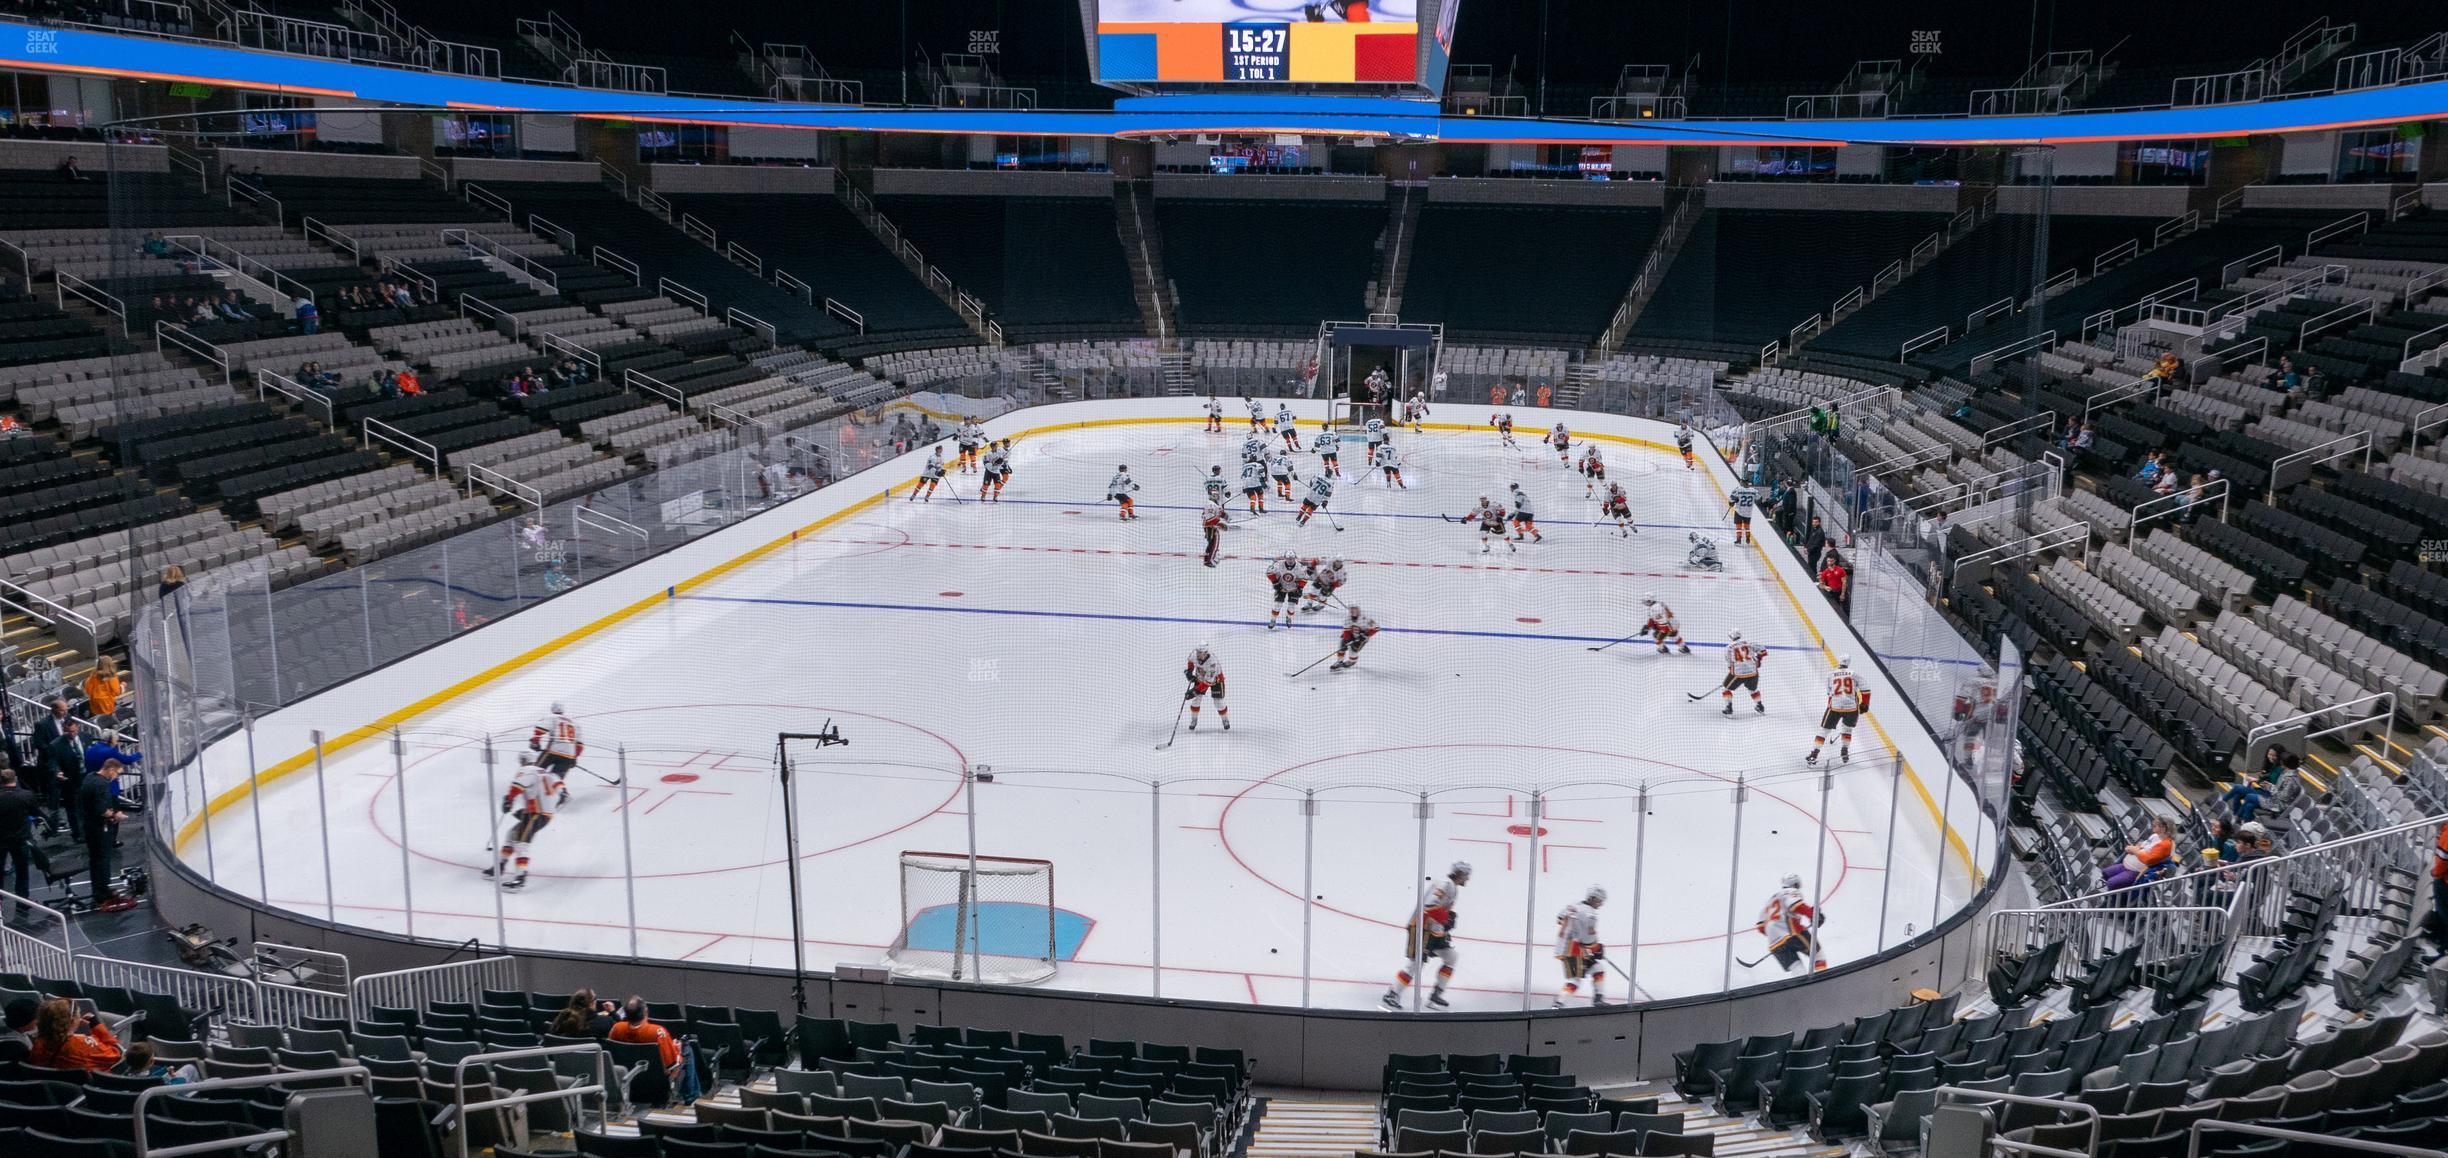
(1725, 528)
(1530, 635)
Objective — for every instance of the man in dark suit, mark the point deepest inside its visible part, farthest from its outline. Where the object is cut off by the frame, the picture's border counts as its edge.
(63, 762)
(96, 812)
(17, 809)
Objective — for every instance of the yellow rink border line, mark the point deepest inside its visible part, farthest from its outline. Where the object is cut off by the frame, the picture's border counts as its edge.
(246, 787)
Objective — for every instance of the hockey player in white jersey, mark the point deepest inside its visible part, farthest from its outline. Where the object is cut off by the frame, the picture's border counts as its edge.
(528, 802)
(1258, 421)
(1503, 423)
(1321, 488)
(1375, 430)
(1325, 578)
(1288, 576)
(1561, 440)
(1525, 520)
(1791, 924)
(1358, 629)
(1579, 949)
(1618, 506)
(1683, 443)
(1743, 659)
(1389, 466)
(1215, 415)
(1286, 429)
(1219, 488)
(1846, 701)
(1430, 936)
(1253, 449)
(969, 437)
(1491, 521)
(1119, 489)
(930, 476)
(997, 464)
(557, 747)
(1743, 502)
(1592, 468)
(1415, 411)
(1253, 486)
(1328, 446)
(1661, 626)
(1279, 468)
(1206, 678)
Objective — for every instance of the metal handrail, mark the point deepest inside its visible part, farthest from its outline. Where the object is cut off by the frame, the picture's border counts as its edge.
(1987, 358)
(479, 195)
(2387, 720)
(739, 317)
(2193, 1143)
(2249, 262)
(1937, 337)
(2183, 499)
(2175, 227)
(1975, 318)
(2336, 448)
(637, 379)
(171, 333)
(65, 283)
(2116, 255)
(794, 286)
(471, 304)
(846, 314)
(510, 488)
(24, 952)
(2089, 1113)
(2426, 825)
(2355, 223)
(582, 515)
(275, 382)
(272, 280)
(459, 1092)
(236, 188)
(610, 260)
(681, 293)
(744, 257)
(188, 1089)
(374, 428)
(317, 231)
(556, 342)
(2027, 546)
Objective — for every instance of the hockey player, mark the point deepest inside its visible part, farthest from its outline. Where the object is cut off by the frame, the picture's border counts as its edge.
(1491, 520)
(1206, 678)
(997, 470)
(1791, 925)
(1328, 447)
(1390, 464)
(1593, 469)
(1288, 576)
(1375, 429)
(1561, 440)
(1253, 485)
(1503, 423)
(1325, 579)
(529, 803)
(1617, 506)
(929, 475)
(1358, 629)
(1219, 488)
(1119, 490)
(1578, 947)
(1215, 415)
(1321, 488)
(1286, 428)
(1258, 422)
(1846, 702)
(1415, 411)
(1661, 626)
(1211, 524)
(1524, 519)
(1683, 442)
(1280, 469)
(1430, 934)
(1744, 502)
(1253, 449)
(557, 746)
(969, 437)
(1743, 660)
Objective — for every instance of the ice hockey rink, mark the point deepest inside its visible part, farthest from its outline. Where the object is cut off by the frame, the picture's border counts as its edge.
(1041, 640)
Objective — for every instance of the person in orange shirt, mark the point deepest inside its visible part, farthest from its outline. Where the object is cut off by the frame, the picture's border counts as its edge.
(678, 1072)
(409, 387)
(2140, 858)
(64, 1041)
(103, 687)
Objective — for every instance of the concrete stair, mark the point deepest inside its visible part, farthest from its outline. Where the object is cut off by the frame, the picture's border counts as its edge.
(1319, 1129)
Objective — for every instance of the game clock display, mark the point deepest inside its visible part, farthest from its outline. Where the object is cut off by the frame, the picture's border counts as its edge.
(1257, 51)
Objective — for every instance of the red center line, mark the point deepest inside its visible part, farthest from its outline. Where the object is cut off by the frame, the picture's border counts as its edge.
(1260, 559)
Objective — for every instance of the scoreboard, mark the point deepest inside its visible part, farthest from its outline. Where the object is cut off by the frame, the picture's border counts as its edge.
(1395, 46)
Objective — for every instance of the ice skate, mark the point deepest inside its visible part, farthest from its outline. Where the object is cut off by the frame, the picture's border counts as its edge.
(1393, 1001)
(1729, 708)
(1338, 665)
(1760, 707)
(1194, 723)
(1685, 648)
(1226, 721)
(1436, 1000)
(1813, 758)
(1844, 755)
(514, 883)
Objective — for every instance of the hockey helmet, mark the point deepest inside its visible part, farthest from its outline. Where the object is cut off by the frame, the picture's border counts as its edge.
(1733, 637)
(1596, 895)
(1844, 661)
(557, 709)
(1354, 608)
(1793, 880)
(1215, 470)
(1649, 600)
(1200, 651)
(1123, 467)
(1376, 424)
(1513, 486)
(1461, 868)
(526, 759)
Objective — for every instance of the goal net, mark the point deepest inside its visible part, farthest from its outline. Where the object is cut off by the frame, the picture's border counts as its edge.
(994, 923)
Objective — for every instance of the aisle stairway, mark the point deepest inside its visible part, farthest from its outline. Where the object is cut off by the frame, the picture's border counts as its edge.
(1321, 1129)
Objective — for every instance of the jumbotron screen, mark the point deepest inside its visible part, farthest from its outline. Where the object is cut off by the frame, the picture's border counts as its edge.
(1292, 43)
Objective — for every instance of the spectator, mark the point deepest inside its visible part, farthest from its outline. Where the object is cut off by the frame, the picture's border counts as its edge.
(584, 1016)
(2165, 369)
(140, 1063)
(1818, 421)
(68, 170)
(106, 748)
(1814, 543)
(401, 297)
(307, 319)
(97, 814)
(234, 309)
(651, 1087)
(2313, 386)
(2141, 857)
(1834, 580)
(2080, 438)
(154, 246)
(173, 577)
(17, 1027)
(2246, 796)
(560, 373)
(65, 1041)
(18, 809)
(2153, 467)
(2222, 842)
(514, 386)
(103, 688)
(63, 766)
(409, 387)
(2286, 377)
(2165, 485)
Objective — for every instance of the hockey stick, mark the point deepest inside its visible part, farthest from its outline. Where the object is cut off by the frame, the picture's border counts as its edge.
(1627, 639)
(1177, 718)
(1331, 521)
(1696, 697)
(598, 775)
(1315, 662)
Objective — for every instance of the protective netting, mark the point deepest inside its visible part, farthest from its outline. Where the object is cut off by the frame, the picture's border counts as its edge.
(988, 918)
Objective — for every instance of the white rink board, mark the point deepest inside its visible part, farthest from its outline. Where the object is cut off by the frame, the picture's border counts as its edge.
(1044, 638)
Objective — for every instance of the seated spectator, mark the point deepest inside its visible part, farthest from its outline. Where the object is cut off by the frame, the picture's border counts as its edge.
(2166, 369)
(2141, 857)
(10, 426)
(560, 373)
(2286, 377)
(140, 1063)
(409, 387)
(68, 170)
(157, 307)
(17, 1027)
(535, 383)
(233, 308)
(173, 577)
(2165, 485)
(650, 1087)
(2222, 843)
(103, 687)
(65, 1041)
(584, 1016)
(203, 311)
(154, 246)
(402, 297)
(309, 320)
(2313, 382)
(514, 386)
(2080, 438)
